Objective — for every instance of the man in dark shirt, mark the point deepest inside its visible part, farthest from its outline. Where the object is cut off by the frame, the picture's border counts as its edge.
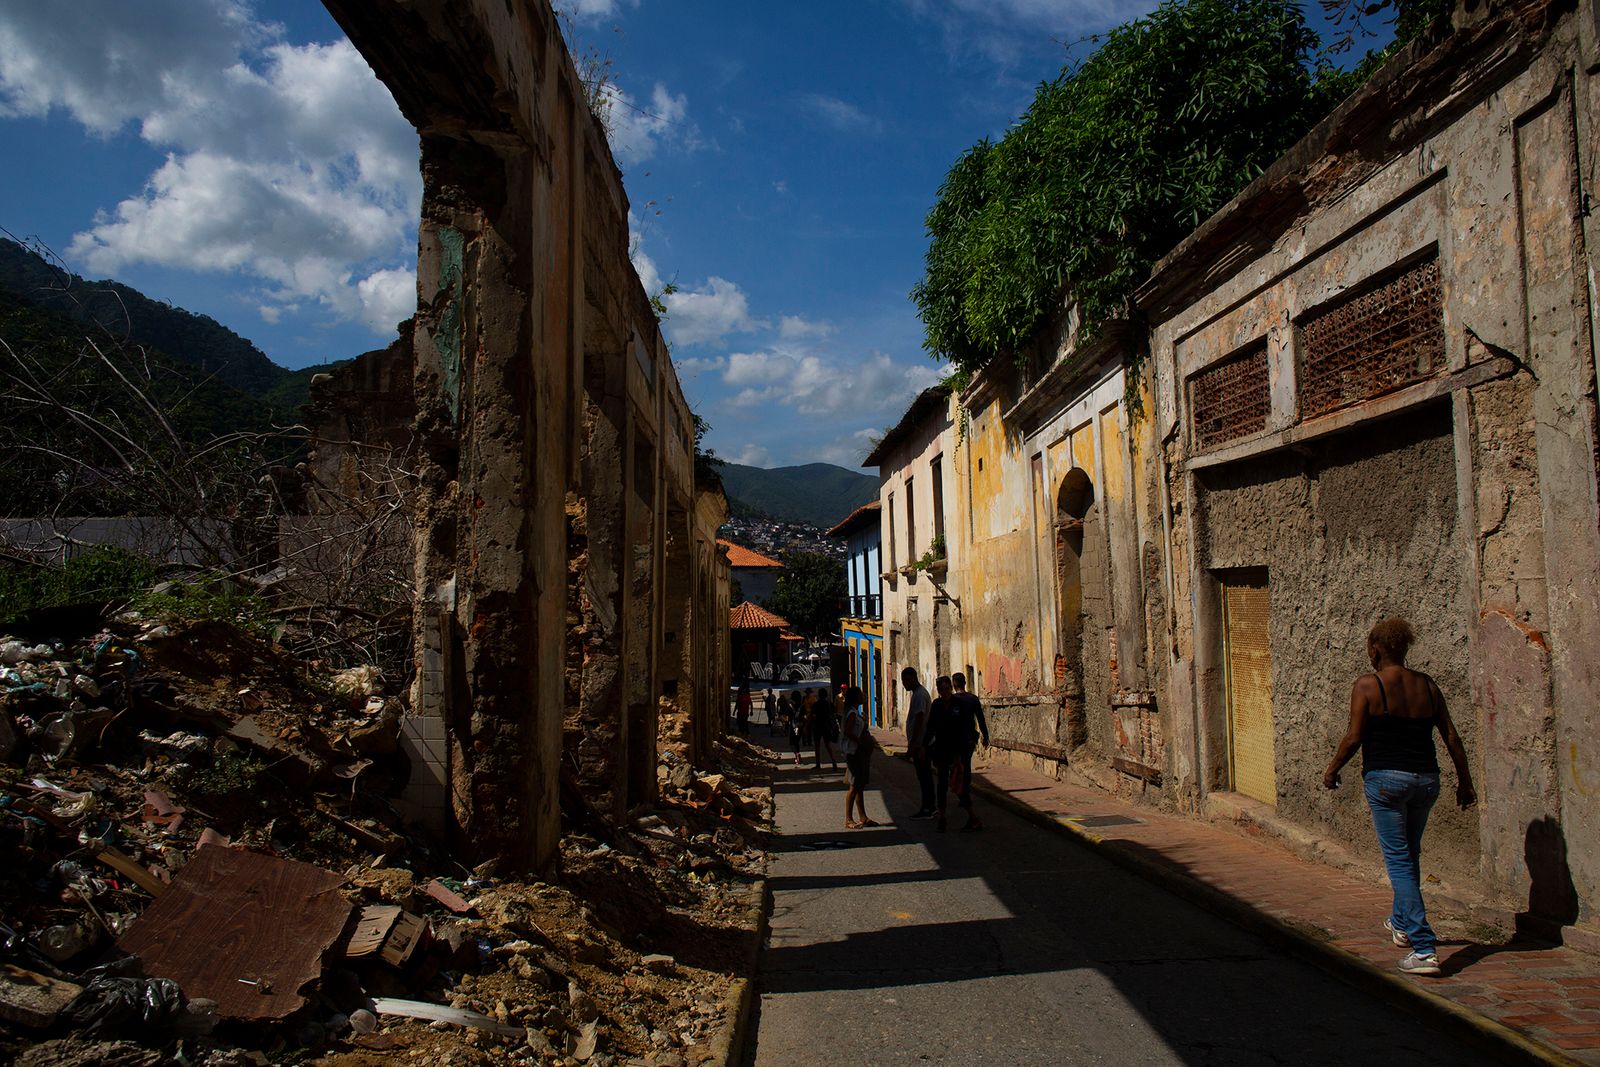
(917, 740)
(958, 731)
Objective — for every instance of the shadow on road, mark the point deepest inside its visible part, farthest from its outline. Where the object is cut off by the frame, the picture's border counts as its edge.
(1026, 920)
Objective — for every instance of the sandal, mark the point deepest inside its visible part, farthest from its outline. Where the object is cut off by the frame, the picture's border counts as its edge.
(848, 825)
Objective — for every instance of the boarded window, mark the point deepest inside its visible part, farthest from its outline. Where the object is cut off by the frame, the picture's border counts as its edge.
(1388, 337)
(1231, 399)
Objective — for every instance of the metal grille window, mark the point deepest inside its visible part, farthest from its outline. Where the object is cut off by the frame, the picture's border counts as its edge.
(1385, 338)
(1231, 399)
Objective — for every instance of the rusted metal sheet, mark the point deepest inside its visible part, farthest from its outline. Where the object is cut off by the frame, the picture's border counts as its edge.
(242, 929)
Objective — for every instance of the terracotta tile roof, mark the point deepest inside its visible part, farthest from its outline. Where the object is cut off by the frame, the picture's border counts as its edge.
(866, 513)
(748, 616)
(740, 556)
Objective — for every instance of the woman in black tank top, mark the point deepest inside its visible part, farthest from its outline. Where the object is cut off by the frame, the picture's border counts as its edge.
(1393, 714)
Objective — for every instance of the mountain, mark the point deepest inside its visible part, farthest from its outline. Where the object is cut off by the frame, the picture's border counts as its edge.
(124, 313)
(818, 493)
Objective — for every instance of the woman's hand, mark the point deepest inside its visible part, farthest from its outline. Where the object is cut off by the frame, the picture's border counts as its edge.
(1466, 796)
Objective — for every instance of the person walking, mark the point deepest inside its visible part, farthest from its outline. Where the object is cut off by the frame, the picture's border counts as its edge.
(917, 741)
(791, 721)
(741, 711)
(1394, 712)
(824, 728)
(808, 715)
(768, 707)
(857, 745)
(959, 730)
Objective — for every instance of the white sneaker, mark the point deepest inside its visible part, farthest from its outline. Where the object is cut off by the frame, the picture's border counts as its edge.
(1418, 963)
(1400, 939)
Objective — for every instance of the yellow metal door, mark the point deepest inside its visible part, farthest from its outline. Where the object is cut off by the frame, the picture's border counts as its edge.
(1248, 656)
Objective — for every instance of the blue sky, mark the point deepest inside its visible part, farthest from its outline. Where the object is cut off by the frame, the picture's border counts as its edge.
(240, 160)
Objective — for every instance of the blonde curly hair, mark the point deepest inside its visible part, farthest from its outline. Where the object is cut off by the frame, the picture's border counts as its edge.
(1393, 636)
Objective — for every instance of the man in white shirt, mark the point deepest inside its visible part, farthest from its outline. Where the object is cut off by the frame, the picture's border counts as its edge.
(916, 739)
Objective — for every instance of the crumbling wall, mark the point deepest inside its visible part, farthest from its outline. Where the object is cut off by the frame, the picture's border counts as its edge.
(549, 426)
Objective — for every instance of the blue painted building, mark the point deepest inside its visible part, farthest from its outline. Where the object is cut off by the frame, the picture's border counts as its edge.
(861, 625)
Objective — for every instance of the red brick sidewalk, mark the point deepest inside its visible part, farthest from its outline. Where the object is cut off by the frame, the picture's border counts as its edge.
(1534, 1002)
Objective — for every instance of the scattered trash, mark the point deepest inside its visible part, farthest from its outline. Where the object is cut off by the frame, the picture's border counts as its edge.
(184, 800)
(113, 1005)
(447, 896)
(417, 1009)
(161, 811)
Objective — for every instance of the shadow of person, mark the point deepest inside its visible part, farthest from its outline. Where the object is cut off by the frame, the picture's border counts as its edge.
(1552, 898)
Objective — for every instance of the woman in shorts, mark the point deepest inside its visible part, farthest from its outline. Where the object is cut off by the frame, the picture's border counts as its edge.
(857, 745)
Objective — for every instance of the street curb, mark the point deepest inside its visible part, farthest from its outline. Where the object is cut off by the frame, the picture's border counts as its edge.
(728, 1047)
(1442, 1013)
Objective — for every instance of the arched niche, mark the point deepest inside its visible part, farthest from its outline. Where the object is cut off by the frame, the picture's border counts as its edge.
(1074, 497)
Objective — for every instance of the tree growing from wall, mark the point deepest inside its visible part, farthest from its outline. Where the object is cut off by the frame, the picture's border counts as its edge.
(809, 592)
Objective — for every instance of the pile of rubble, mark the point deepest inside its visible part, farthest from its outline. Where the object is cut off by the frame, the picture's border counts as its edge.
(204, 869)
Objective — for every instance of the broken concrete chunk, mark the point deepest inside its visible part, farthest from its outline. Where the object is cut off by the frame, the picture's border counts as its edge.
(659, 962)
(33, 1000)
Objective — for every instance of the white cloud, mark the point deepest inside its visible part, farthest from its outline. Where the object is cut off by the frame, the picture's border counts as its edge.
(819, 385)
(707, 315)
(794, 327)
(637, 130)
(752, 456)
(694, 366)
(846, 451)
(288, 163)
(1056, 14)
(591, 10)
(840, 114)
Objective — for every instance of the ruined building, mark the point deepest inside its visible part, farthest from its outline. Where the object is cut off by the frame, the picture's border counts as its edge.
(1365, 387)
(571, 598)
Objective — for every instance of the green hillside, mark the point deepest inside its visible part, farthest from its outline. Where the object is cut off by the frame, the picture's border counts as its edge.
(73, 435)
(116, 311)
(818, 493)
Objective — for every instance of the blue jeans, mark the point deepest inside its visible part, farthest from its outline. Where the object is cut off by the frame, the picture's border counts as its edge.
(1400, 802)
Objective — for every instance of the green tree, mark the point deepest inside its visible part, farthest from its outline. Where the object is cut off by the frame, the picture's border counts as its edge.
(809, 591)
(1116, 160)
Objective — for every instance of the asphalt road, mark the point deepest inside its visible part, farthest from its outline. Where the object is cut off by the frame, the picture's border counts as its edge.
(1017, 946)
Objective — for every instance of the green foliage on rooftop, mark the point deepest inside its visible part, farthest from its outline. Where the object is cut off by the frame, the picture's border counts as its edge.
(1117, 160)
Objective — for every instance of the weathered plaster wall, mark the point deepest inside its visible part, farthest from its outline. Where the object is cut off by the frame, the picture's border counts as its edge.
(1364, 529)
(1474, 154)
(910, 595)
